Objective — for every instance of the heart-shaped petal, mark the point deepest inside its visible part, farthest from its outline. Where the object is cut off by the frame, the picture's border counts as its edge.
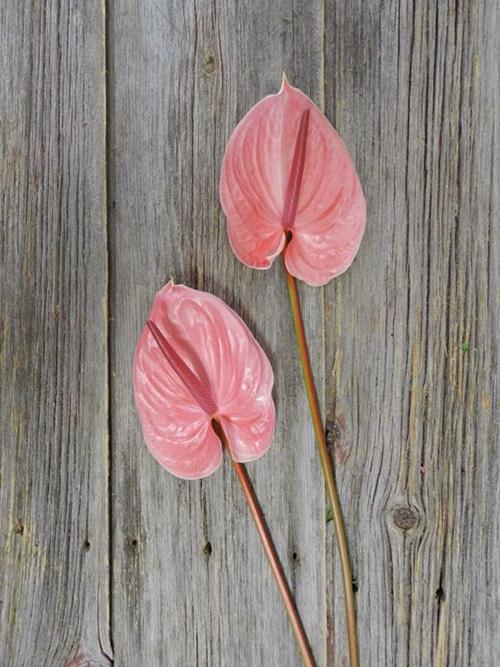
(210, 366)
(286, 170)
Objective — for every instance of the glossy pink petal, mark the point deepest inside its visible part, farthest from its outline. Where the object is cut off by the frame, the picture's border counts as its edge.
(195, 360)
(287, 170)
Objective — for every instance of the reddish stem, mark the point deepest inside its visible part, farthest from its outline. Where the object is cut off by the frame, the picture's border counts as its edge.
(270, 551)
(287, 219)
(326, 464)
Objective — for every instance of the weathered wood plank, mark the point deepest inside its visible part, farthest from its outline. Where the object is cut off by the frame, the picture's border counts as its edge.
(412, 333)
(191, 586)
(53, 457)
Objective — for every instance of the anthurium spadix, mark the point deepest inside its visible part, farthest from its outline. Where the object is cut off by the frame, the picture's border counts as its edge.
(287, 175)
(288, 187)
(202, 383)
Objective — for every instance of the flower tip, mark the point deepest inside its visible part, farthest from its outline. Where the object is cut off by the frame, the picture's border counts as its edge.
(284, 83)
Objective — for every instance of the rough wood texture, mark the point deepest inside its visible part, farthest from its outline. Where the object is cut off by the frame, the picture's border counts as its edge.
(407, 340)
(412, 330)
(191, 585)
(54, 572)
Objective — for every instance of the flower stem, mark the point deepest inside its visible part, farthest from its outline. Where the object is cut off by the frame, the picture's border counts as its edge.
(326, 464)
(270, 551)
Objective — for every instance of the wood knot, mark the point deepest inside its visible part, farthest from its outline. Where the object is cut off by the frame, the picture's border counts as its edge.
(209, 64)
(337, 439)
(19, 528)
(404, 517)
(81, 659)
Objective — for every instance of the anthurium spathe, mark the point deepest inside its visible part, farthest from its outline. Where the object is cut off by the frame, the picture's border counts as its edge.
(286, 175)
(215, 369)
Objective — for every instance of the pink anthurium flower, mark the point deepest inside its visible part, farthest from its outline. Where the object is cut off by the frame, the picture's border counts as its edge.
(216, 369)
(288, 187)
(201, 383)
(286, 173)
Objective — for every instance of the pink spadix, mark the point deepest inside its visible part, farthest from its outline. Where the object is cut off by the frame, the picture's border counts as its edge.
(296, 173)
(200, 393)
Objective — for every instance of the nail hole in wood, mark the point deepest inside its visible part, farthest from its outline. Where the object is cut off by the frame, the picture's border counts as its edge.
(86, 545)
(439, 594)
(207, 549)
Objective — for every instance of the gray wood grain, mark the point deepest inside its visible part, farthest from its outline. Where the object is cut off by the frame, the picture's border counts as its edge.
(54, 576)
(191, 585)
(104, 557)
(412, 330)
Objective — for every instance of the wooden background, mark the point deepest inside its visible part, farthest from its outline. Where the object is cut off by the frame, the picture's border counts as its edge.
(114, 119)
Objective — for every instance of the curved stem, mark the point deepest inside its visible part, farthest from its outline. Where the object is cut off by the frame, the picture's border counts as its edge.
(270, 551)
(326, 464)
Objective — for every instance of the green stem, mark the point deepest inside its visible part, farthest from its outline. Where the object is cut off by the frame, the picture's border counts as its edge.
(326, 464)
